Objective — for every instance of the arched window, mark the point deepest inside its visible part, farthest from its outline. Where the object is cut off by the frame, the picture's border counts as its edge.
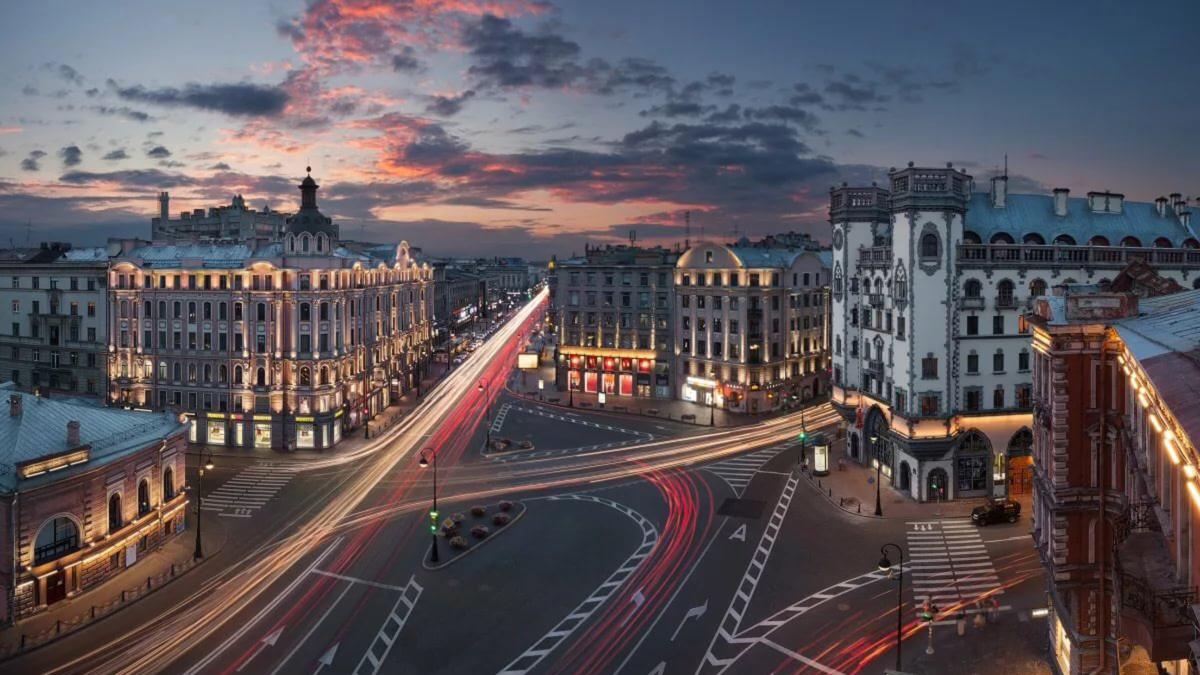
(55, 539)
(260, 380)
(324, 375)
(191, 372)
(970, 237)
(1064, 240)
(177, 310)
(1004, 293)
(1098, 240)
(998, 361)
(304, 242)
(1037, 288)
(178, 372)
(207, 372)
(837, 278)
(1132, 242)
(191, 312)
(237, 311)
(222, 311)
(222, 373)
(1002, 238)
(124, 309)
(143, 497)
(1021, 444)
(305, 377)
(1034, 239)
(262, 311)
(879, 285)
(208, 311)
(320, 243)
(973, 289)
(901, 285)
(929, 246)
(115, 518)
(305, 311)
(1162, 242)
(162, 309)
(237, 374)
(324, 311)
(1190, 243)
(168, 483)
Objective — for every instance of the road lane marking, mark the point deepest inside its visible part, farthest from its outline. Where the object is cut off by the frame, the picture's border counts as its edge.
(365, 582)
(312, 630)
(800, 657)
(383, 637)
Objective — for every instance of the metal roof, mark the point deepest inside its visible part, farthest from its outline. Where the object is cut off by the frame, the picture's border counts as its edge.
(1026, 214)
(766, 257)
(41, 430)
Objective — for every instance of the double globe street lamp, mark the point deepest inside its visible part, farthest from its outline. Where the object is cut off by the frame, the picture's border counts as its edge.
(878, 471)
(206, 466)
(429, 456)
(486, 387)
(885, 564)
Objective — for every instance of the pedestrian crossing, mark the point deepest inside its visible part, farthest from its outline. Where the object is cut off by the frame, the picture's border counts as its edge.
(738, 471)
(949, 563)
(248, 491)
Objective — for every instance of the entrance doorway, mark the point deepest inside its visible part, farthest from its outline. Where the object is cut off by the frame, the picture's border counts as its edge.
(905, 477)
(56, 587)
(853, 445)
(935, 485)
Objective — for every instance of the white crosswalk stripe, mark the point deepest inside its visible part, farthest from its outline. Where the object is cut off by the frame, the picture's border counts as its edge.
(248, 491)
(738, 471)
(949, 563)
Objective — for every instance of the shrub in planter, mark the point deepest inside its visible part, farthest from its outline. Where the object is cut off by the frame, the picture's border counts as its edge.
(505, 505)
(459, 543)
(478, 511)
(501, 519)
(525, 445)
(479, 531)
(458, 518)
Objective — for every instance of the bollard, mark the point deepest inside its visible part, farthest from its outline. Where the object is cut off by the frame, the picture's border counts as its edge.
(22, 641)
(93, 611)
(172, 569)
(819, 483)
(830, 492)
(57, 626)
(148, 586)
(860, 507)
(841, 501)
(122, 596)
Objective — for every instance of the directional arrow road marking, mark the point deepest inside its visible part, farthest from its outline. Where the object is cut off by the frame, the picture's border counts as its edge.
(268, 641)
(693, 613)
(637, 601)
(326, 658)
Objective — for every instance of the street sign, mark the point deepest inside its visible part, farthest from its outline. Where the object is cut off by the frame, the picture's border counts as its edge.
(600, 397)
(541, 385)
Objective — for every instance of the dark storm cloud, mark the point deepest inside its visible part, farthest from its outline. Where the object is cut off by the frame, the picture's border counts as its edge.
(131, 178)
(239, 100)
(31, 163)
(448, 106)
(732, 113)
(489, 203)
(116, 155)
(29, 90)
(158, 152)
(406, 61)
(504, 56)
(71, 155)
(122, 111)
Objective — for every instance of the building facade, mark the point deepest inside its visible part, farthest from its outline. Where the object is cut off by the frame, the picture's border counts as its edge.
(88, 492)
(233, 222)
(282, 344)
(944, 384)
(751, 325)
(614, 312)
(54, 304)
(1116, 517)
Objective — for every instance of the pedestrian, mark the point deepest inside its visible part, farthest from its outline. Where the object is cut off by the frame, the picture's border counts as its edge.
(962, 622)
(994, 610)
(979, 618)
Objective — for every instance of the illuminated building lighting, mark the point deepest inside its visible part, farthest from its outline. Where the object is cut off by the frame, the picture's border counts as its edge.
(1155, 423)
(1172, 453)
(1144, 400)
(1039, 612)
(1195, 492)
(1189, 471)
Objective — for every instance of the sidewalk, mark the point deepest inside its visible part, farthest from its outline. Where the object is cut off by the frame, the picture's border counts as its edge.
(353, 438)
(524, 385)
(853, 489)
(169, 562)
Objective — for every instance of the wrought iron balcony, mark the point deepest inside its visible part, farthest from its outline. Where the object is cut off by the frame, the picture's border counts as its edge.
(876, 299)
(1108, 257)
(1003, 302)
(971, 302)
(875, 256)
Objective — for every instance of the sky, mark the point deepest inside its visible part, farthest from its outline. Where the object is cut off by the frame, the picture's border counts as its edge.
(531, 127)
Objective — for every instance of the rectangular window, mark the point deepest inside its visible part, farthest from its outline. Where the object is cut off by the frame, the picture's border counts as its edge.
(974, 398)
(972, 325)
(929, 404)
(1023, 362)
(972, 364)
(929, 368)
(998, 325)
(998, 398)
(998, 362)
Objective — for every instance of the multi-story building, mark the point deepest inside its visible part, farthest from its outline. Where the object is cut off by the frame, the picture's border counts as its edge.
(751, 325)
(85, 492)
(931, 353)
(1116, 516)
(614, 310)
(267, 344)
(507, 275)
(54, 304)
(234, 222)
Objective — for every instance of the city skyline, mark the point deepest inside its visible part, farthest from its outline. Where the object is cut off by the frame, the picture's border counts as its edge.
(517, 127)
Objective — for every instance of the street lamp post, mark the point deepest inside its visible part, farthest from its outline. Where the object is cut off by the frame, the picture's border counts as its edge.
(801, 458)
(486, 387)
(712, 407)
(207, 465)
(878, 471)
(428, 456)
(885, 564)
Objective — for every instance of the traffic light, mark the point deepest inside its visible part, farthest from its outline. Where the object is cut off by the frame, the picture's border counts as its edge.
(928, 610)
(803, 436)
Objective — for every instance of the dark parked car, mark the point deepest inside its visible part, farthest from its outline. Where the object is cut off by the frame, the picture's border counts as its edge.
(996, 510)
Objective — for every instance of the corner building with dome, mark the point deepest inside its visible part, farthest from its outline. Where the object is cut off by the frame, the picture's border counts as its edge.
(284, 343)
(931, 283)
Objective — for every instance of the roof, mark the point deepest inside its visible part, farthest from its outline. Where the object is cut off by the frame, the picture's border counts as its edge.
(1139, 277)
(1165, 339)
(219, 255)
(90, 254)
(826, 257)
(41, 430)
(1029, 214)
(753, 256)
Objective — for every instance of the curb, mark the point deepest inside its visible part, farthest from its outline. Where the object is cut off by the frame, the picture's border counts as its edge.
(869, 516)
(433, 568)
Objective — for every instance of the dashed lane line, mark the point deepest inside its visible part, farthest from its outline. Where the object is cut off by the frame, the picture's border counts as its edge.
(738, 471)
(386, 637)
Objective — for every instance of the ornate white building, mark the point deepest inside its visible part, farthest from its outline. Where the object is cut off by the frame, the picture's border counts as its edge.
(931, 281)
(268, 344)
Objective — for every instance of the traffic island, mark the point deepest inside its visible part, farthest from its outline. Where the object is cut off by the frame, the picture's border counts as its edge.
(466, 532)
(503, 445)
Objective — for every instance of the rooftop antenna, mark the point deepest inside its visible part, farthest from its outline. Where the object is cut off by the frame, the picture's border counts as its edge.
(687, 229)
(632, 237)
(28, 227)
(1006, 166)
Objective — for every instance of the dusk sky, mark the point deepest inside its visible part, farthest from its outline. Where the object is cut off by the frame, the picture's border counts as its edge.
(520, 127)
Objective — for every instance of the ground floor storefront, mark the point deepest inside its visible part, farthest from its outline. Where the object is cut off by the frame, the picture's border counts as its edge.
(285, 431)
(617, 376)
(752, 398)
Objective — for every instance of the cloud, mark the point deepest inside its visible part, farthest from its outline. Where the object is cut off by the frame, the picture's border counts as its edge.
(71, 155)
(221, 166)
(677, 109)
(406, 61)
(31, 163)
(854, 132)
(158, 152)
(116, 155)
(130, 178)
(69, 74)
(853, 93)
(805, 95)
(239, 100)
(29, 90)
(1037, 156)
(170, 164)
(122, 111)
(448, 106)
(783, 113)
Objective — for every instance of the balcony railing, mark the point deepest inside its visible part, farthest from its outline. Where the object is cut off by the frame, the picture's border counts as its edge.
(1166, 608)
(1003, 302)
(874, 366)
(971, 302)
(876, 299)
(875, 256)
(1111, 257)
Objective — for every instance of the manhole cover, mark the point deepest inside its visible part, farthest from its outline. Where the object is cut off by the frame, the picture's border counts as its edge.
(742, 508)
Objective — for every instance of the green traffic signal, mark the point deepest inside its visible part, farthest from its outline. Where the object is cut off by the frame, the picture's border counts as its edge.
(433, 514)
(433, 529)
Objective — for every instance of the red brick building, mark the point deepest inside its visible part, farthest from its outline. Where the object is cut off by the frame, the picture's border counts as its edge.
(1116, 499)
(85, 492)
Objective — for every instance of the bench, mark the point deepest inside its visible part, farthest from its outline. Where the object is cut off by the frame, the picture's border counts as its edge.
(687, 418)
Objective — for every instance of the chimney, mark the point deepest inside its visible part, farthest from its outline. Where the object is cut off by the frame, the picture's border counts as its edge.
(14, 404)
(1180, 206)
(164, 207)
(73, 434)
(1160, 206)
(1185, 219)
(999, 191)
(1060, 201)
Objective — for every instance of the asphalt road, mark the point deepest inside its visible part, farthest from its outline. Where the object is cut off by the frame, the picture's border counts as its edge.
(646, 547)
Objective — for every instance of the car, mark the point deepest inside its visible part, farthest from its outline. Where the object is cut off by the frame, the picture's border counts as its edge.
(996, 510)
